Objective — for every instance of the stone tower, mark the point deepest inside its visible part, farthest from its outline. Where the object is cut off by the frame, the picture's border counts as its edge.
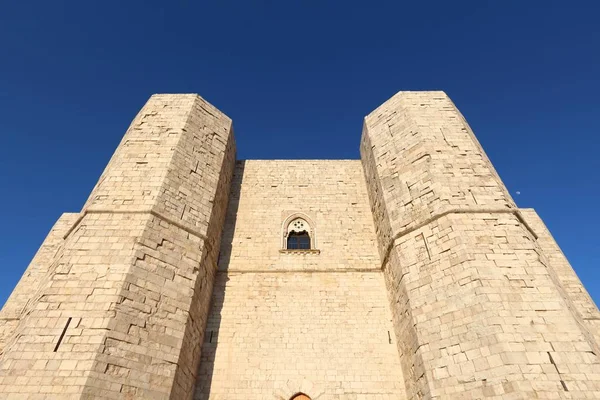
(408, 274)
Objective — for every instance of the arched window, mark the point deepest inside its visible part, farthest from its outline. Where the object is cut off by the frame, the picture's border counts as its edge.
(300, 396)
(298, 233)
(298, 240)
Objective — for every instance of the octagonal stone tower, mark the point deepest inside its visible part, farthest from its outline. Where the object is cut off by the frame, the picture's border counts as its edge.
(414, 275)
(115, 302)
(479, 308)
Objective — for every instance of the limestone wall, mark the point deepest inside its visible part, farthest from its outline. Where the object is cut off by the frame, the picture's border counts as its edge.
(22, 297)
(581, 300)
(271, 335)
(283, 323)
(424, 280)
(332, 193)
(477, 310)
(123, 311)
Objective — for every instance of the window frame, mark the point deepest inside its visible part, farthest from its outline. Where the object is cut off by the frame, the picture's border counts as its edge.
(290, 224)
(297, 241)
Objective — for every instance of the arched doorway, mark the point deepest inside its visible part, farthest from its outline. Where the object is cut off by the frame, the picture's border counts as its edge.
(300, 396)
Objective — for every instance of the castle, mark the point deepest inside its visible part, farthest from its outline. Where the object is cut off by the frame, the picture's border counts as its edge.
(407, 274)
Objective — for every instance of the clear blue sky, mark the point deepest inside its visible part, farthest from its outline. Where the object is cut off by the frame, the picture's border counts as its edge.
(297, 77)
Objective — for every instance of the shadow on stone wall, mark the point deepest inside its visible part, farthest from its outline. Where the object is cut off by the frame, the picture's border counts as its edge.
(211, 337)
(231, 216)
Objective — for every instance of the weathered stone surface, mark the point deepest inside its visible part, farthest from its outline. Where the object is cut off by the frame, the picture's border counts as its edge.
(282, 322)
(121, 311)
(479, 310)
(579, 299)
(21, 299)
(423, 279)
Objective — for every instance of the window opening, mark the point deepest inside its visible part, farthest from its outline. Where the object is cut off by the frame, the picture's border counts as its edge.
(298, 235)
(298, 240)
(300, 396)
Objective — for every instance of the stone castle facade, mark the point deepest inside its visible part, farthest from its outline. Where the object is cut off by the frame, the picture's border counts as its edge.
(407, 274)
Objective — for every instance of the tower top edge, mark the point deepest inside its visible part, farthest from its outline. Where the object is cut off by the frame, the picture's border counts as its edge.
(410, 95)
(187, 97)
(177, 95)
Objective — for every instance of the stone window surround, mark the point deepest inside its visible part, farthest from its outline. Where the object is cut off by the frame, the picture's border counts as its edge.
(311, 230)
